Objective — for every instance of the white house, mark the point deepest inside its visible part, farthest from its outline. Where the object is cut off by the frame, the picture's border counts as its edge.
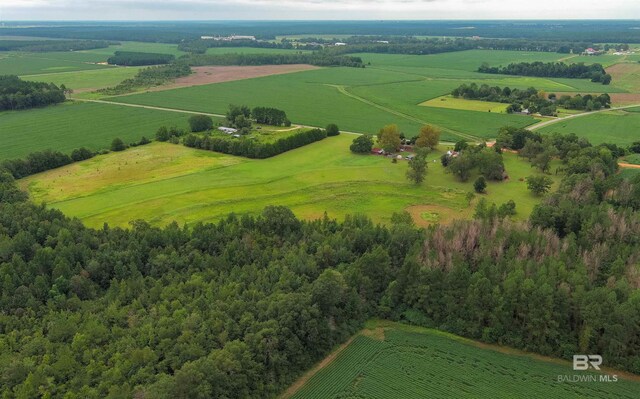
(227, 130)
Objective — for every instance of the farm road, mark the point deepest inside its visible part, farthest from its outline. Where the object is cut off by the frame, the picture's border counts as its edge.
(558, 120)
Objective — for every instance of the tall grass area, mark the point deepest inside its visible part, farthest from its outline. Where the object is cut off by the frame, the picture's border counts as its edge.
(164, 182)
(72, 125)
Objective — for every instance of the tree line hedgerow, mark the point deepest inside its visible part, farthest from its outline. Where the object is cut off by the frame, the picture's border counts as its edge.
(17, 94)
(531, 99)
(148, 77)
(253, 148)
(595, 72)
(318, 58)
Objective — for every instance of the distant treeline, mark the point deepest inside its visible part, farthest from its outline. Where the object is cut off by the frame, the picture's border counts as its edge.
(200, 46)
(319, 58)
(136, 58)
(531, 99)
(16, 94)
(595, 72)
(440, 45)
(593, 31)
(148, 77)
(52, 45)
(251, 148)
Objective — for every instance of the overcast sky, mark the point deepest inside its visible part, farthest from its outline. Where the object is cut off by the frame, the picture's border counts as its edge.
(316, 9)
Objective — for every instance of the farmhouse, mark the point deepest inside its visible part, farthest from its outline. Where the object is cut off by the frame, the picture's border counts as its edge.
(340, 44)
(227, 130)
(592, 51)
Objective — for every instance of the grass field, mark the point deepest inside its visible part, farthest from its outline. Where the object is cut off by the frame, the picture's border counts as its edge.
(90, 79)
(31, 64)
(164, 182)
(468, 105)
(617, 127)
(360, 100)
(72, 125)
(390, 360)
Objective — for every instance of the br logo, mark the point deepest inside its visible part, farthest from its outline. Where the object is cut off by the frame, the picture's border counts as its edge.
(584, 362)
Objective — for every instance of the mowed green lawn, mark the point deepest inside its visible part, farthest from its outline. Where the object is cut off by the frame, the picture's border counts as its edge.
(72, 125)
(395, 361)
(164, 182)
(617, 127)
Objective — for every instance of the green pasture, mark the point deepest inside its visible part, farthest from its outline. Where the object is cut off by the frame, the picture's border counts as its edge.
(391, 360)
(91, 79)
(617, 127)
(39, 63)
(72, 125)
(146, 183)
(467, 105)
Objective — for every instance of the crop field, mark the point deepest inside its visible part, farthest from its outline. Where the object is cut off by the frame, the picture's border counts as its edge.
(390, 360)
(72, 125)
(31, 64)
(87, 80)
(390, 90)
(357, 100)
(144, 183)
(617, 127)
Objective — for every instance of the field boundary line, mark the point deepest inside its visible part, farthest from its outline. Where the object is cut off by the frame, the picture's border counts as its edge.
(558, 120)
(326, 361)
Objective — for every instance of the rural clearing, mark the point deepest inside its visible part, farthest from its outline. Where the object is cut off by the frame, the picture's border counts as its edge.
(163, 182)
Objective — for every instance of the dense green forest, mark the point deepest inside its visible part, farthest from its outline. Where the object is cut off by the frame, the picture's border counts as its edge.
(240, 308)
(17, 94)
(135, 58)
(52, 45)
(595, 72)
(531, 99)
(148, 77)
(319, 58)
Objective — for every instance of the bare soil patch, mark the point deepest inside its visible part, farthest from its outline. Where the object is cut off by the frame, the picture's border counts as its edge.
(625, 98)
(217, 74)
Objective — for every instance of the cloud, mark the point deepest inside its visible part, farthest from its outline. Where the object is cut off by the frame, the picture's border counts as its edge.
(315, 9)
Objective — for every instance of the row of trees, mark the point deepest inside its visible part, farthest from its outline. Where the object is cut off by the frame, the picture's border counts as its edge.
(17, 94)
(531, 99)
(136, 58)
(253, 147)
(39, 46)
(319, 58)
(149, 77)
(40, 161)
(595, 72)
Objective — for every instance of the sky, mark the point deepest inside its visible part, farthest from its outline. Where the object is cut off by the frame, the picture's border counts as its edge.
(316, 9)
